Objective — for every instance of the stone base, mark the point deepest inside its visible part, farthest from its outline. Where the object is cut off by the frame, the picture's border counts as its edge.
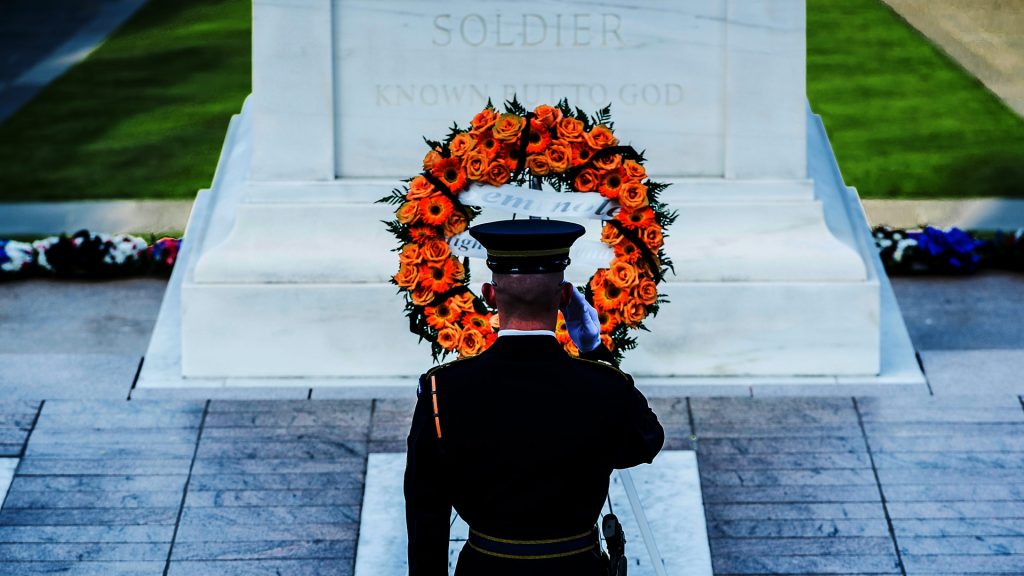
(669, 491)
(284, 284)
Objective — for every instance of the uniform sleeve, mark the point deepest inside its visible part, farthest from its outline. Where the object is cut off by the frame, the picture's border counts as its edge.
(427, 504)
(641, 436)
(600, 353)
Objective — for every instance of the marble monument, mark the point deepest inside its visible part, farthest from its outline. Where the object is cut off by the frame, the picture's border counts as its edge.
(284, 280)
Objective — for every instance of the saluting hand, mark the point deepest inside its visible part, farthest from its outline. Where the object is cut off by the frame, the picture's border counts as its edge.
(581, 322)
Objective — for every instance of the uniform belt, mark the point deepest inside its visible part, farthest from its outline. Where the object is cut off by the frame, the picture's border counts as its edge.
(534, 549)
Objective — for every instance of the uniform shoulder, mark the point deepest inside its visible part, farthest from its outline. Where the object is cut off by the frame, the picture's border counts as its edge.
(603, 367)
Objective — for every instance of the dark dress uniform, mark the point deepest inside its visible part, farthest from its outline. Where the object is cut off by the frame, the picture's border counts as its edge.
(523, 447)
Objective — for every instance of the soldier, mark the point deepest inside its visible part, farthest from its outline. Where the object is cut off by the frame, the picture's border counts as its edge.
(522, 438)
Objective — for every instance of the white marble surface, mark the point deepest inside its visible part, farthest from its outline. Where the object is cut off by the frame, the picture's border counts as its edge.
(7, 467)
(669, 491)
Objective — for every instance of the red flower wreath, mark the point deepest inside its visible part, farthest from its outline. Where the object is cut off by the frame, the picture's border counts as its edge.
(571, 151)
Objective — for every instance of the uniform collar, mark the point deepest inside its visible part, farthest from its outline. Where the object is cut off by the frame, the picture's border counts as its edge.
(532, 343)
(514, 332)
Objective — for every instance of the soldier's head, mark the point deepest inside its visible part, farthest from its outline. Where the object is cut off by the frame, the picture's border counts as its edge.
(528, 259)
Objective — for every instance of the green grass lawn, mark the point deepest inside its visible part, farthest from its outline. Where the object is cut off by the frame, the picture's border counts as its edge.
(145, 115)
(904, 119)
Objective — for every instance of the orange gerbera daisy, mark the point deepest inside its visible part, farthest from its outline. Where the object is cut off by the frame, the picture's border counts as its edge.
(626, 251)
(441, 315)
(580, 154)
(609, 319)
(636, 219)
(609, 296)
(435, 210)
(478, 322)
(437, 276)
(539, 138)
(449, 171)
(421, 233)
(611, 184)
(509, 156)
(488, 145)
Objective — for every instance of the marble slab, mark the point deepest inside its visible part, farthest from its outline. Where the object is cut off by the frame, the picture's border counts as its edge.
(7, 466)
(669, 491)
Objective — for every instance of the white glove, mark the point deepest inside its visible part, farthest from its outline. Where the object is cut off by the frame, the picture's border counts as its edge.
(581, 322)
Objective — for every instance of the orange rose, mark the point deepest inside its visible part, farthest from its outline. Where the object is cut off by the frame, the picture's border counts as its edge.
(610, 185)
(538, 165)
(611, 235)
(608, 342)
(548, 116)
(570, 129)
(508, 126)
(633, 196)
(646, 291)
(558, 154)
(539, 138)
(420, 187)
(422, 296)
(623, 274)
(633, 312)
(406, 213)
(652, 236)
(610, 162)
(476, 165)
(495, 322)
(449, 337)
(435, 250)
(633, 170)
(406, 276)
(497, 174)
(410, 254)
(461, 144)
(472, 343)
(600, 137)
(455, 224)
(432, 157)
(484, 120)
(462, 302)
(586, 181)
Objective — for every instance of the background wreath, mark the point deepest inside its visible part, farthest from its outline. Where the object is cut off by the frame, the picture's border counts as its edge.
(572, 152)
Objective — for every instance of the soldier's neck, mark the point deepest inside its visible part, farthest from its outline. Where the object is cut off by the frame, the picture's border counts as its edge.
(519, 323)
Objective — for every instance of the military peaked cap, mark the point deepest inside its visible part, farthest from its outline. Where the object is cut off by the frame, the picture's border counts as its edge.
(527, 246)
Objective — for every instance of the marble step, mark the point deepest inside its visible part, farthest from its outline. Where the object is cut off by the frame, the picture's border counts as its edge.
(669, 493)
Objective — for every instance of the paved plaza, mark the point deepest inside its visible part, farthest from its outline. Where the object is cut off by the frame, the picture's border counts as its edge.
(842, 485)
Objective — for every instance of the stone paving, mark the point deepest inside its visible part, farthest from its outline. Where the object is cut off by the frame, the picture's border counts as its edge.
(840, 485)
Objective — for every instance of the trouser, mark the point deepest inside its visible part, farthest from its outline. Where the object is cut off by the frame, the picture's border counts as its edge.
(474, 563)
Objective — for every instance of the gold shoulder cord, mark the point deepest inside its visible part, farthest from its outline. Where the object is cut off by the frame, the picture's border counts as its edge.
(433, 395)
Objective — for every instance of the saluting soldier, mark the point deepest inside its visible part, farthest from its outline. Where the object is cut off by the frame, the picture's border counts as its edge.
(522, 438)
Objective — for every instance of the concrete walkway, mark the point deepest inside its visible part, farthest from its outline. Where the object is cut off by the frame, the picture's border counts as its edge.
(42, 39)
(984, 36)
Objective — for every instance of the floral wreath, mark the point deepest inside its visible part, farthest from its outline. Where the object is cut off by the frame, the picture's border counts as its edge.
(572, 152)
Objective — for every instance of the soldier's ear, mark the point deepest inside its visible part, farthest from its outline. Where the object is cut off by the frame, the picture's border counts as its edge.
(487, 291)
